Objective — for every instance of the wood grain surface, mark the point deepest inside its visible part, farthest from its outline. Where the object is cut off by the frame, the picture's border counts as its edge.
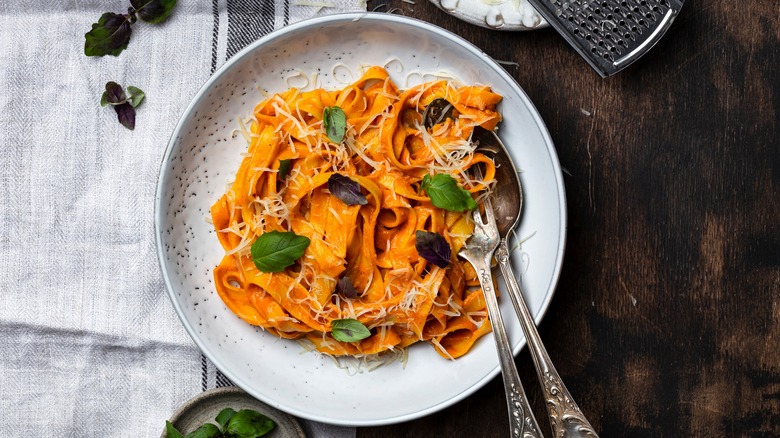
(666, 322)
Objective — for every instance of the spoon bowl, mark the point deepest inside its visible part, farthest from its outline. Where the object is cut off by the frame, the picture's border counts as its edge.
(507, 193)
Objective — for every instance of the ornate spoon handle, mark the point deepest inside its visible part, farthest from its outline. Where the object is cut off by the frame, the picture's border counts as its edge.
(566, 418)
(522, 421)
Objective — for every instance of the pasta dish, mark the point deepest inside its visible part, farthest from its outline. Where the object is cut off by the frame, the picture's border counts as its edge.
(346, 215)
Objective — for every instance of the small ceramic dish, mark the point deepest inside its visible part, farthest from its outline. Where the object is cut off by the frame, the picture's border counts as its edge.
(507, 15)
(204, 407)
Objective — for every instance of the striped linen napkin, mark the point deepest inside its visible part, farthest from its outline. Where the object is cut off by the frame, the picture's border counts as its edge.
(90, 345)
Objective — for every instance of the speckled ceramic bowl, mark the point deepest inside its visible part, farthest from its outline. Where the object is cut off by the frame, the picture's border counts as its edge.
(204, 153)
(204, 408)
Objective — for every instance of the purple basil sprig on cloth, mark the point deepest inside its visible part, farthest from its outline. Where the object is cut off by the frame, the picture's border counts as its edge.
(111, 34)
(124, 103)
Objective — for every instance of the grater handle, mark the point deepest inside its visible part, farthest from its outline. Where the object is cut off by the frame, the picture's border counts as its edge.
(590, 45)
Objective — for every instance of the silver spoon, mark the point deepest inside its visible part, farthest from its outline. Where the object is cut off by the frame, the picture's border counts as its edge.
(566, 418)
(479, 252)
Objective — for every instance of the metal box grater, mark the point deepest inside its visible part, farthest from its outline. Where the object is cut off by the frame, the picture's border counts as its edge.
(610, 34)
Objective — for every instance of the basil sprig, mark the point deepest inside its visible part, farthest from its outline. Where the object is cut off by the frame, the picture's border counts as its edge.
(446, 194)
(275, 250)
(111, 34)
(335, 122)
(433, 248)
(349, 330)
(246, 423)
(124, 103)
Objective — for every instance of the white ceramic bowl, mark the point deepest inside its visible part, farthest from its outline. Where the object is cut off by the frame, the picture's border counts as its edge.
(204, 153)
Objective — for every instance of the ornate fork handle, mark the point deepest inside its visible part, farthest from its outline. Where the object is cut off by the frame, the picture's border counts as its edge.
(566, 418)
(522, 422)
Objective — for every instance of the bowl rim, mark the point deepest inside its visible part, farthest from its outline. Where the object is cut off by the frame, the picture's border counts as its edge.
(349, 17)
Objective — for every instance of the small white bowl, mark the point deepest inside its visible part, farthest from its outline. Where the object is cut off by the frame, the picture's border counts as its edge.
(204, 408)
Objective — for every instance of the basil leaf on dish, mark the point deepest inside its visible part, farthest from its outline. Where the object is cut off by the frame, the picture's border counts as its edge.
(433, 248)
(446, 194)
(153, 11)
(335, 122)
(207, 430)
(248, 423)
(109, 36)
(346, 189)
(275, 250)
(344, 287)
(224, 417)
(171, 432)
(349, 330)
(284, 168)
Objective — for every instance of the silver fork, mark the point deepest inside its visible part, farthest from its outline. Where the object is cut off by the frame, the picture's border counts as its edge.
(479, 251)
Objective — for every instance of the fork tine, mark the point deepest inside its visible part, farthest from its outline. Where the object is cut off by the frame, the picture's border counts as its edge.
(477, 217)
(489, 213)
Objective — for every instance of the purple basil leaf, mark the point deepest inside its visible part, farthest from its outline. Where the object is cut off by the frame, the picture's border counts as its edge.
(345, 287)
(153, 11)
(126, 115)
(114, 94)
(433, 248)
(346, 189)
(109, 36)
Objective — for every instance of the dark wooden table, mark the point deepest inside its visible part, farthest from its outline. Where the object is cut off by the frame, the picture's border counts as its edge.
(666, 322)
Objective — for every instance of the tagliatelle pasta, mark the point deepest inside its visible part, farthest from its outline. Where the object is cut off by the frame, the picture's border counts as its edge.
(397, 294)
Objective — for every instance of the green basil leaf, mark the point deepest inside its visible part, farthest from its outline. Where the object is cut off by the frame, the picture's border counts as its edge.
(171, 432)
(224, 417)
(349, 330)
(104, 99)
(335, 122)
(126, 115)
(445, 193)
(274, 251)
(284, 168)
(135, 96)
(248, 423)
(109, 36)
(208, 430)
(153, 11)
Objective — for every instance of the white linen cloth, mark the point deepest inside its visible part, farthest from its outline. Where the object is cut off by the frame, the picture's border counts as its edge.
(90, 345)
